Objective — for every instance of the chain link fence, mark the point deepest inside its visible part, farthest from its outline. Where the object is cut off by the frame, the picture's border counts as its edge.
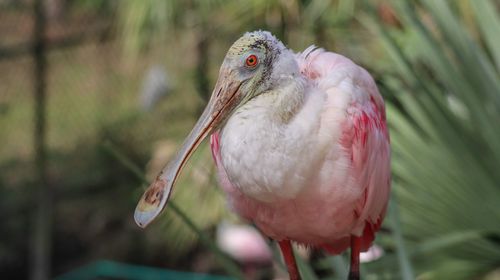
(80, 208)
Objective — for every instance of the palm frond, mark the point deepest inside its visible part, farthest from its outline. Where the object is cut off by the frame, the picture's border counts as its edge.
(445, 126)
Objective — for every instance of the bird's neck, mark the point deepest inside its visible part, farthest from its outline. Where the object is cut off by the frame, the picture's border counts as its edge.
(283, 102)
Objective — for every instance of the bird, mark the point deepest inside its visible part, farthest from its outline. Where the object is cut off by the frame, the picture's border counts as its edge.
(156, 85)
(301, 146)
(246, 246)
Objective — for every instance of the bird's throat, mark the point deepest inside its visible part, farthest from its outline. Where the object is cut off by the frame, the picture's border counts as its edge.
(282, 103)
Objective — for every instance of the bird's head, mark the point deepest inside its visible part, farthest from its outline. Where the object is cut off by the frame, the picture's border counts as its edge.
(254, 64)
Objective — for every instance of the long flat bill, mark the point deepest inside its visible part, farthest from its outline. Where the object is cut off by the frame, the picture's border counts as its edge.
(152, 202)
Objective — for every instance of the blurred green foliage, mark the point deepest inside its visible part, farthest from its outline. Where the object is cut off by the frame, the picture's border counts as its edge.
(445, 130)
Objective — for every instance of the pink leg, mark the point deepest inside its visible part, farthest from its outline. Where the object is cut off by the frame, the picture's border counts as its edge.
(355, 250)
(287, 251)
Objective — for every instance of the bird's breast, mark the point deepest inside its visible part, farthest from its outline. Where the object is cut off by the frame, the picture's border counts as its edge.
(269, 160)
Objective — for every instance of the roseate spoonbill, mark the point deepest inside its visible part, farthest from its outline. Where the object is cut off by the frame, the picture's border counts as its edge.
(301, 145)
(245, 245)
(155, 86)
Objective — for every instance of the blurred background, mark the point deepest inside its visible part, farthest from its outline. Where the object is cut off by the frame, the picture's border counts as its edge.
(96, 95)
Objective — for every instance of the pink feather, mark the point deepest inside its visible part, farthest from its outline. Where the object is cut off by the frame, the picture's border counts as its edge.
(340, 204)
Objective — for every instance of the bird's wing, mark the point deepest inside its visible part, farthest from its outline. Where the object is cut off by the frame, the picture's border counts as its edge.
(367, 141)
(364, 135)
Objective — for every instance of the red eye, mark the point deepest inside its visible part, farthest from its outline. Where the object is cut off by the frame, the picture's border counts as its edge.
(251, 61)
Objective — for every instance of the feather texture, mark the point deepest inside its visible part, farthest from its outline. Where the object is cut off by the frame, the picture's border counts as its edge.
(321, 176)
